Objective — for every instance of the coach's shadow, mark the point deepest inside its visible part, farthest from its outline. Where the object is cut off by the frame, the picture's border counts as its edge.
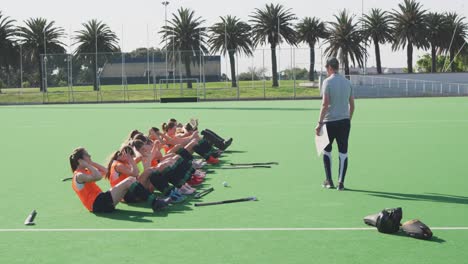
(430, 197)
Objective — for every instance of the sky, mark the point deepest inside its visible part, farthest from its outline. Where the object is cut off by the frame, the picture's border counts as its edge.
(137, 22)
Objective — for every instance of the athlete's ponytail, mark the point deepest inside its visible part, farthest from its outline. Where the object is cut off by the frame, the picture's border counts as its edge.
(76, 155)
(113, 157)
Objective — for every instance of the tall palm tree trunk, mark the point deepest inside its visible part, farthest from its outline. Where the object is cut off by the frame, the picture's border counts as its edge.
(274, 68)
(433, 58)
(377, 56)
(232, 61)
(312, 63)
(409, 54)
(188, 71)
(346, 65)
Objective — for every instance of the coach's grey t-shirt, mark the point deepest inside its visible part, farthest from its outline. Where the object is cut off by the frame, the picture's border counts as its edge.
(339, 90)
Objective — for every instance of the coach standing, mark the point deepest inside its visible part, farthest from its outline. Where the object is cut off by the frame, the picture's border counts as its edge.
(336, 113)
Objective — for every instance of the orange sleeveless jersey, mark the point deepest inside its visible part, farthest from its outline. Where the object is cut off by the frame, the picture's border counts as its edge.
(87, 192)
(116, 177)
(154, 162)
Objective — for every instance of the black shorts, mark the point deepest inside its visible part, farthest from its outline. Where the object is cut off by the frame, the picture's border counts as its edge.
(103, 203)
(130, 197)
(338, 130)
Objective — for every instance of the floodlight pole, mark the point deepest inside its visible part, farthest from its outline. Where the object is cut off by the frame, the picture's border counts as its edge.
(21, 65)
(365, 55)
(227, 52)
(279, 53)
(96, 58)
(165, 3)
(45, 61)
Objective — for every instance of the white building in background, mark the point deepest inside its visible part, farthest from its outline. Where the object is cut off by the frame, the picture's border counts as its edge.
(373, 70)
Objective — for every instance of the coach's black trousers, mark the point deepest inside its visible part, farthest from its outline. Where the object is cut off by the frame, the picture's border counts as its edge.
(338, 130)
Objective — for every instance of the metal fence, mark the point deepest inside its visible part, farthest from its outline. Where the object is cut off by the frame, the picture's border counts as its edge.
(377, 86)
(151, 75)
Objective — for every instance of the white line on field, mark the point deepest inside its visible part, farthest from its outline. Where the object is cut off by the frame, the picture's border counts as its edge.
(32, 229)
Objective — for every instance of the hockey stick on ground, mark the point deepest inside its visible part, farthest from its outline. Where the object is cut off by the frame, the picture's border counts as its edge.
(245, 167)
(254, 163)
(228, 201)
(203, 193)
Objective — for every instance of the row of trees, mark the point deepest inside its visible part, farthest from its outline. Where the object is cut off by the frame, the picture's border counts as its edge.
(347, 37)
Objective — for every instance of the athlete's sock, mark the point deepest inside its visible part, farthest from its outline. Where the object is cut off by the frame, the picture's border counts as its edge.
(213, 138)
(327, 159)
(343, 167)
(203, 148)
(185, 154)
(180, 173)
(141, 192)
(159, 181)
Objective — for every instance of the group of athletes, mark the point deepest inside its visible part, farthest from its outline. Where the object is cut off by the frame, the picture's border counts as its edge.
(160, 162)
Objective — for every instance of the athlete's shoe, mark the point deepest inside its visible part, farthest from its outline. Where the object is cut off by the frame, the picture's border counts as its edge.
(328, 184)
(198, 164)
(159, 204)
(186, 189)
(227, 143)
(217, 153)
(194, 181)
(199, 173)
(176, 196)
(340, 187)
(212, 160)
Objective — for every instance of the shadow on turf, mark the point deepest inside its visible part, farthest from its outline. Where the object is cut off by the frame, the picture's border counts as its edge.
(145, 217)
(431, 197)
(234, 151)
(127, 215)
(433, 238)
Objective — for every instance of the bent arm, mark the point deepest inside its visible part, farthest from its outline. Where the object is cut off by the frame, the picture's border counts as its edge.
(100, 168)
(94, 176)
(324, 107)
(132, 171)
(351, 107)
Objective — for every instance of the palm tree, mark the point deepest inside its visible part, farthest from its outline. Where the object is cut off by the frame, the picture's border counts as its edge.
(436, 25)
(377, 27)
(232, 36)
(272, 25)
(310, 30)
(95, 37)
(345, 41)
(8, 50)
(457, 31)
(184, 33)
(409, 28)
(40, 37)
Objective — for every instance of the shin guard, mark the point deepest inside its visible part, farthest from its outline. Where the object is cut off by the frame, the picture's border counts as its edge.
(159, 181)
(213, 138)
(343, 167)
(203, 148)
(327, 162)
(141, 192)
(184, 154)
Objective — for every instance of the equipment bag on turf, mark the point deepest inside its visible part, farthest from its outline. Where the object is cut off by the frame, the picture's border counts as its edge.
(417, 229)
(387, 221)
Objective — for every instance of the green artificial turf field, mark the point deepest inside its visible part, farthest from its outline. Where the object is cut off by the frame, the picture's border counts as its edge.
(408, 153)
